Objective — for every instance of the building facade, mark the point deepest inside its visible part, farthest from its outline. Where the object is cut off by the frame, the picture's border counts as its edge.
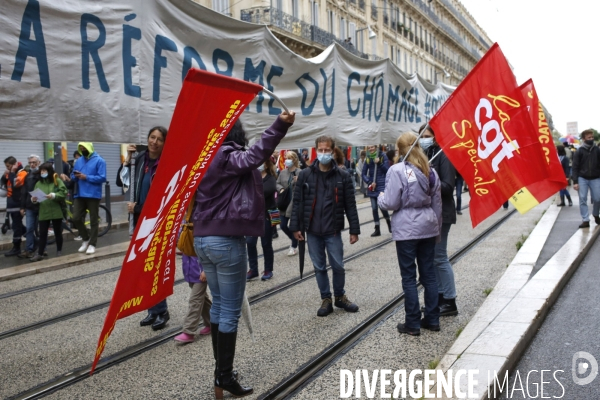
(438, 39)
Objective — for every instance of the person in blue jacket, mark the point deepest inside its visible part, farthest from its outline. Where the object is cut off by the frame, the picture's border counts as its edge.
(88, 175)
(373, 174)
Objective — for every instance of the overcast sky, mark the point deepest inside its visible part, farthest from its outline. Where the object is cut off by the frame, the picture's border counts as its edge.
(554, 43)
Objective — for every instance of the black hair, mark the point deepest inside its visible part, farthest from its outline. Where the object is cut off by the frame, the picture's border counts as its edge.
(560, 149)
(161, 129)
(76, 154)
(237, 134)
(48, 167)
(10, 160)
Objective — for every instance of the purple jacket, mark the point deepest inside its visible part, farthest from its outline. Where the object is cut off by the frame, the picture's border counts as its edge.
(230, 200)
(416, 201)
(191, 269)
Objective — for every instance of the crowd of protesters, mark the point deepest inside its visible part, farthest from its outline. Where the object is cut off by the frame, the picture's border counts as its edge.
(37, 193)
(414, 186)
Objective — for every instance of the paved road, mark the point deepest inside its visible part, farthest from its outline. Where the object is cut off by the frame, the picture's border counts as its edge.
(570, 327)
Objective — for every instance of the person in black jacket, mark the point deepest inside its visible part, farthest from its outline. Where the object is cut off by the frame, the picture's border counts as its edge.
(447, 174)
(268, 173)
(29, 209)
(586, 174)
(322, 196)
(564, 162)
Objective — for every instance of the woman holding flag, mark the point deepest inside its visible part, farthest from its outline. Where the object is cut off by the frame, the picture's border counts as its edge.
(412, 191)
(228, 208)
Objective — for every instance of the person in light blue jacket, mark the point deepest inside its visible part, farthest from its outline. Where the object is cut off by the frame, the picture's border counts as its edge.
(412, 192)
(89, 174)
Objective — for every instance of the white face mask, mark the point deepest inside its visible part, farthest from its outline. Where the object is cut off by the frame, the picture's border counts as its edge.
(289, 163)
(44, 175)
(425, 143)
(261, 168)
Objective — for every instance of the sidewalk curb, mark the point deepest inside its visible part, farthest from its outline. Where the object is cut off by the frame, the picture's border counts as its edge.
(68, 235)
(498, 334)
(57, 263)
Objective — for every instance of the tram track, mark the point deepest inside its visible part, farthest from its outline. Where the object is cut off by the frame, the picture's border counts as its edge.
(82, 373)
(320, 363)
(102, 272)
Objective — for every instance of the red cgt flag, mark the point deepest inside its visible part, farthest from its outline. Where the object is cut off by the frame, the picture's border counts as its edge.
(486, 132)
(207, 107)
(556, 180)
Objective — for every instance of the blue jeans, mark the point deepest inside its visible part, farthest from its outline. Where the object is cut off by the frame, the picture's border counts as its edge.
(31, 220)
(594, 186)
(374, 207)
(422, 250)
(459, 187)
(443, 269)
(317, 245)
(284, 227)
(224, 259)
(266, 242)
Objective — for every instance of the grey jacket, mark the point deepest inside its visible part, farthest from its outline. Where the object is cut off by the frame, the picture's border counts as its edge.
(416, 201)
(282, 183)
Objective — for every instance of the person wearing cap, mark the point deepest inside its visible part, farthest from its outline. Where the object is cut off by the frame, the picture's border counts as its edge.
(89, 173)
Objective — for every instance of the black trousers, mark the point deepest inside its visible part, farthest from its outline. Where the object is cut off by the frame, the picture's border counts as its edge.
(57, 226)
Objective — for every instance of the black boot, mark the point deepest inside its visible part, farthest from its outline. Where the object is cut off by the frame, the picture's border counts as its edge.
(448, 308)
(16, 250)
(377, 231)
(562, 201)
(569, 200)
(389, 224)
(440, 302)
(225, 379)
(214, 334)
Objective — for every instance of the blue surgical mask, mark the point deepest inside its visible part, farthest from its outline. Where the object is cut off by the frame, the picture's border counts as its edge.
(324, 158)
(425, 143)
(261, 168)
(289, 163)
(44, 175)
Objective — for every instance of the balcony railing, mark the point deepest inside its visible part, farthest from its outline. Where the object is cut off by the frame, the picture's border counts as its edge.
(276, 17)
(466, 23)
(445, 27)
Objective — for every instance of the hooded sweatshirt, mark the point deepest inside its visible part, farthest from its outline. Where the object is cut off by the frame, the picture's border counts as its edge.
(94, 168)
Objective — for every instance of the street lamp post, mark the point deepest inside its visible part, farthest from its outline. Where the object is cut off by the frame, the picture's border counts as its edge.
(371, 34)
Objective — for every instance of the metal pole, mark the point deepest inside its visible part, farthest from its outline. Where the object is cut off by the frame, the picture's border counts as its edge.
(273, 95)
(132, 190)
(107, 195)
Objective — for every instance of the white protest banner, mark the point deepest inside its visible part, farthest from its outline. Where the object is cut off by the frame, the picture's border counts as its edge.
(107, 71)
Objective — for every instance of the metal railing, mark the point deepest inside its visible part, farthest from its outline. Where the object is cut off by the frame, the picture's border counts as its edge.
(277, 18)
(466, 23)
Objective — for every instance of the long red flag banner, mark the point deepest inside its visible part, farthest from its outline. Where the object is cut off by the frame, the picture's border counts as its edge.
(485, 130)
(556, 180)
(207, 107)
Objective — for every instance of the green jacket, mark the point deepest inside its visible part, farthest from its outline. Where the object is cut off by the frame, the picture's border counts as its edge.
(51, 208)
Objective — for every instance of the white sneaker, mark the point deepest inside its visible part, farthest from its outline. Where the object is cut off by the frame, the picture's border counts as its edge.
(84, 246)
(78, 238)
(91, 249)
(292, 252)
